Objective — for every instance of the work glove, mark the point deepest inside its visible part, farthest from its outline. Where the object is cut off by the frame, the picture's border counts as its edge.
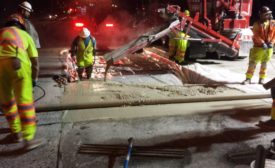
(269, 45)
(34, 83)
(265, 46)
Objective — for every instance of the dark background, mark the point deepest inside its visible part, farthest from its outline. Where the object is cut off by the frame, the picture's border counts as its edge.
(54, 6)
(138, 12)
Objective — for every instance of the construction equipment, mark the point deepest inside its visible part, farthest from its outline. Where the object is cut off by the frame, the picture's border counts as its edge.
(216, 26)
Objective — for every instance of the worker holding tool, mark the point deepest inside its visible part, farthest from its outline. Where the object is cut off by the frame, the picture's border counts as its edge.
(18, 74)
(263, 39)
(24, 11)
(83, 52)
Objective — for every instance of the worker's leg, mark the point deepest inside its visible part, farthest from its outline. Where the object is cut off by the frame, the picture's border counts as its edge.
(7, 99)
(262, 73)
(265, 58)
(181, 49)
(24, 97)
(270, 123)
(89, 71)
(250, 70)
(254, 59)
(80, 71)
(172, 48)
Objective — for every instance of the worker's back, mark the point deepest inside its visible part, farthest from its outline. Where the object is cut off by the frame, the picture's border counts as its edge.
(15, 42)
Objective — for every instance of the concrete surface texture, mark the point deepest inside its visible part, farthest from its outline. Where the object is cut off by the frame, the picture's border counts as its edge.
(208, 132)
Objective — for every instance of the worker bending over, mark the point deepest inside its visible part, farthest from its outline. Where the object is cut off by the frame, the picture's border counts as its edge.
(83, 51)
(18, 74)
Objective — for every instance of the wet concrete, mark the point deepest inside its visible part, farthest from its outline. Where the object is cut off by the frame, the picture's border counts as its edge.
(208, 132)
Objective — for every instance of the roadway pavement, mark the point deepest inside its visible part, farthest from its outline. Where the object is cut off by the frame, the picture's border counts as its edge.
(208, 131)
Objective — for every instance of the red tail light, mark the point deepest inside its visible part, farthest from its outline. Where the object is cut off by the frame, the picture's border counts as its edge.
(79, 24)
(109, 25)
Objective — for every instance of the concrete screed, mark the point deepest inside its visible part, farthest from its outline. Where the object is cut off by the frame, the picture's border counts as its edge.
(208, 133)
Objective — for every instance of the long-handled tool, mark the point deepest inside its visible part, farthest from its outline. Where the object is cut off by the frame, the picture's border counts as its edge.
(130, 146)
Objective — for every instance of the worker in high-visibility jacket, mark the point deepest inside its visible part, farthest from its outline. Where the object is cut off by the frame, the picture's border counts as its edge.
(24, 11)
(178, 45)
(263, 39)
(18, 73)
(83, 52)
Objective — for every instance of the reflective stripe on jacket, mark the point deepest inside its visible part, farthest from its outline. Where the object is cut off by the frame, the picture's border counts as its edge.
(15, 42)
(263, 33)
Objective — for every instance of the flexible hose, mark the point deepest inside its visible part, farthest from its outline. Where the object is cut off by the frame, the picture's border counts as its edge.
(43, 95)
(138, 102)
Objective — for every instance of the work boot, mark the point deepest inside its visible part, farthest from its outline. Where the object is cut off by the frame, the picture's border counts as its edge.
(261, 81)
(246, 81)
(32, 144)
(13, 138)
(270, 124)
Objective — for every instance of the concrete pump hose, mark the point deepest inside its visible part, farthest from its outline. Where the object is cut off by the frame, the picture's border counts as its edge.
(60, 107)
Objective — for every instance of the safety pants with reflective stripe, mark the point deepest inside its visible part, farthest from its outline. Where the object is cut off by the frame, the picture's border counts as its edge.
(172, 48)
(257, 55)
(177, 49)
(16, 98)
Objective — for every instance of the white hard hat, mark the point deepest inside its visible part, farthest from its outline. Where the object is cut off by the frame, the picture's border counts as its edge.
(84, 33)
(26, 5)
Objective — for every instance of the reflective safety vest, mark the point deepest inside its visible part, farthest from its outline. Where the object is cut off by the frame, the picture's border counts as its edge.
(84, 54)
(15, 42)
(263, 33)
(178, 46)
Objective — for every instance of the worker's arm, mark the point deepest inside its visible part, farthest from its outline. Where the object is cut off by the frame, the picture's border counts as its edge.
(33, 55)
(272, 22)
(35, 68)
(257, 36)
(94, 45)
(74, 47)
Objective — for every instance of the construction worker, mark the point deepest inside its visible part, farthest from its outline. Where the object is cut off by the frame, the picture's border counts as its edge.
(263, 39)
(83, 51)
(177, 46)
(25, 10)
(18, 74)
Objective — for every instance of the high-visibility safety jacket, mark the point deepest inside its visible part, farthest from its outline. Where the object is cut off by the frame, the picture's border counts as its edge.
(178, 46)
(13, 45)
(84, 54)
(16, 96)
(263, 33)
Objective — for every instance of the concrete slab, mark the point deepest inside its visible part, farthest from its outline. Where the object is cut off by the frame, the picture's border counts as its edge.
(44, 157)
(163, 110)
(207, 137)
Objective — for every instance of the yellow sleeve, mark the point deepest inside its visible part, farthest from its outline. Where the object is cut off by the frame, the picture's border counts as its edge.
(31, 50)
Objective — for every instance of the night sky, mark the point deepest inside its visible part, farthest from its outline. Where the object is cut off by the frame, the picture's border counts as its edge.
(46, 6)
